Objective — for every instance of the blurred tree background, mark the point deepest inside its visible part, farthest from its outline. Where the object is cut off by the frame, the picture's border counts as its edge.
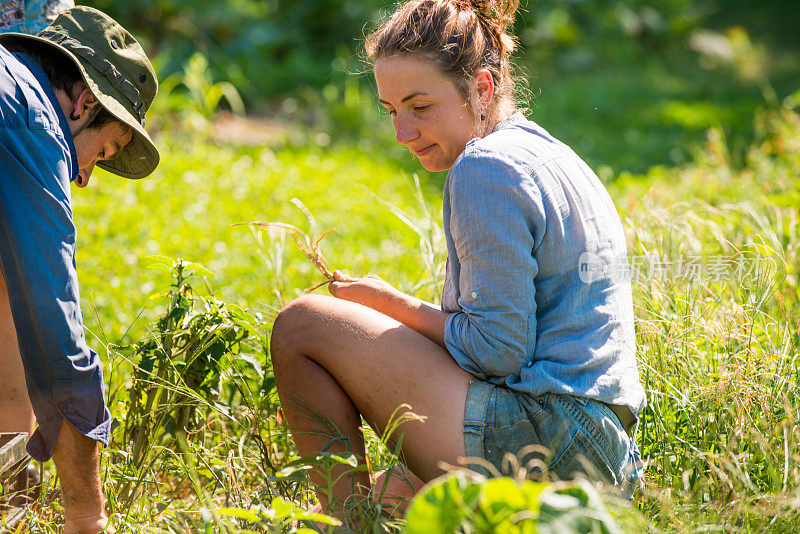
(629, 84)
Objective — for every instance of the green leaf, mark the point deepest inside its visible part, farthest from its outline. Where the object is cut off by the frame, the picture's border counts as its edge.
(443, 505)
(331, 458)
(504, 505)
(575, 509)
(199, 270)
(292, 469)
(319, 518)
(252, 361)
(159, 263)
(239, 513)
(282, 508)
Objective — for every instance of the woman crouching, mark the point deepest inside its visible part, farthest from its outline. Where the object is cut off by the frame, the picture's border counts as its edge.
(533, 346)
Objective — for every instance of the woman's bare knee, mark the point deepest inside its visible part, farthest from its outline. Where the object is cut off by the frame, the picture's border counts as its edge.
(295, 325)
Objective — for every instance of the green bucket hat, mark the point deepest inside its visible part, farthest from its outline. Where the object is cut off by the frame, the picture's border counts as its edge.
(116, 71)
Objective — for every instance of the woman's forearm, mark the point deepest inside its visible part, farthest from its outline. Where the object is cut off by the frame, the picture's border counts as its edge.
(420, 316)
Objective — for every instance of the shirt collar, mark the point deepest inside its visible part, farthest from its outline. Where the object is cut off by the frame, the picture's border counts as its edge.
(41, 77)
(510, 121)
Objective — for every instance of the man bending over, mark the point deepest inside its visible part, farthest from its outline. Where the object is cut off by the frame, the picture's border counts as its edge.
(72, 97)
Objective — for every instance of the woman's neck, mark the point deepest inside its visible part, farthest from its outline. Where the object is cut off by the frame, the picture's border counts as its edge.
(488, 125)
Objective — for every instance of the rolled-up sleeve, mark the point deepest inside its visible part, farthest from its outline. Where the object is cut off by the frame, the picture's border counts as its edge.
(495, 222)
(37, 243)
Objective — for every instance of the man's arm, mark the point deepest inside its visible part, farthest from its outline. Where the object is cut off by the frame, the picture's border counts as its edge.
(37, 239)
(77, 460)
(63, 375)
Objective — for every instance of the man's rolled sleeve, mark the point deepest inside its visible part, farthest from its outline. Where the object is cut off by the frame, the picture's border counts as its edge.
(37, 243)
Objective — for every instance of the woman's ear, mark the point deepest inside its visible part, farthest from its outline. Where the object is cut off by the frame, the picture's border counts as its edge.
(484, 84)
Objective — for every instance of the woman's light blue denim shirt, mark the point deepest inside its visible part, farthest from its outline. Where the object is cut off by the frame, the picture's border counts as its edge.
(538, 301)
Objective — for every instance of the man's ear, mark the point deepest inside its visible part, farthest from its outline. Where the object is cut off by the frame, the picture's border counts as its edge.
(83, 103)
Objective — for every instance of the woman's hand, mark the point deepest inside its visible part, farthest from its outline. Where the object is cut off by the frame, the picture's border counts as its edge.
(370, 292)
(374, 293)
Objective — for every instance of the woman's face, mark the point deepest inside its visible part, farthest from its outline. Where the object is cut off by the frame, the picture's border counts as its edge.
(428, 113)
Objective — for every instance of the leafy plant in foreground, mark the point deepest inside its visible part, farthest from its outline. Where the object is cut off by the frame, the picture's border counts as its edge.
(460, 502)
(177, 375)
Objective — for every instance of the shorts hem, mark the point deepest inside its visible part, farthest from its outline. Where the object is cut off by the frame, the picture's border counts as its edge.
(475, 409)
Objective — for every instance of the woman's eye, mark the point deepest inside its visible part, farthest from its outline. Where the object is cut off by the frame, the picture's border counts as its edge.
(419, 109)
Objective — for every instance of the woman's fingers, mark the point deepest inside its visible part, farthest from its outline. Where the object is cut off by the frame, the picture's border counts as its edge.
(340, 280)
(341, 276)
(334, 288)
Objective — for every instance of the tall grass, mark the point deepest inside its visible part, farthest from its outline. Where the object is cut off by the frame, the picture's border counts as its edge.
(719, 343)
(200, 444)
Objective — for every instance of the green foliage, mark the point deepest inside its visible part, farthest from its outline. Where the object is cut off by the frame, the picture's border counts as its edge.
(264, 47)
(628, 83)
(459, 502)
(177, 380)
(718, 354)
(203, 95)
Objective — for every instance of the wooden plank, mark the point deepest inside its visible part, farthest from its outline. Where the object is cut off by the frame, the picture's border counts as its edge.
(11, 519)
(12, 451)
(12, 458)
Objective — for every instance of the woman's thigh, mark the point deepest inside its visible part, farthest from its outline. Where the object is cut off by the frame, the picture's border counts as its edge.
(380, 364)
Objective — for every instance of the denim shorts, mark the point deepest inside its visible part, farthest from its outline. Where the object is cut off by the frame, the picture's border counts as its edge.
(559, 436)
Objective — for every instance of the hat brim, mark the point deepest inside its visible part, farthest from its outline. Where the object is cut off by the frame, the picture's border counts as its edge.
(140, 157)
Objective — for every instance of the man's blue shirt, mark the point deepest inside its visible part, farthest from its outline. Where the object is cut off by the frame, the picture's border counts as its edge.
(37, 247)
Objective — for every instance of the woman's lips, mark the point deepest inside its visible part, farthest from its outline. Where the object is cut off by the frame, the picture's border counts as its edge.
(423, 151)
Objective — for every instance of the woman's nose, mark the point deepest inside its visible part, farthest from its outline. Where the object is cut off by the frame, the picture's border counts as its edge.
(404, 130)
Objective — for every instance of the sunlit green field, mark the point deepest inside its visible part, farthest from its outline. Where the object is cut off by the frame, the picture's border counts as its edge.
(718, 342)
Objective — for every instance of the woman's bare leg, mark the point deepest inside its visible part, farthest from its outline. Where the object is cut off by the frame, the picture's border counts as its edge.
(396, 488)
(335, 360)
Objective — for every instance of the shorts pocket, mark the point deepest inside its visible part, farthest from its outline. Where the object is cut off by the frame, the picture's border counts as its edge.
(581, 458)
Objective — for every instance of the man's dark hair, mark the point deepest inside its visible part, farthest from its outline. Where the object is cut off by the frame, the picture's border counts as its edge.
(60, 70)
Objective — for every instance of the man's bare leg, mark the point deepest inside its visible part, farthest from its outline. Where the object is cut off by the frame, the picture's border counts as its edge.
(77, 460)
(16, 413)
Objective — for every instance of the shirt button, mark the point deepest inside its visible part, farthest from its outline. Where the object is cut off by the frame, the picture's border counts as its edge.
(473, 295)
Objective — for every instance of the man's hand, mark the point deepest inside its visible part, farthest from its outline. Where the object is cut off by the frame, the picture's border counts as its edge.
(77, 460)
(87, 526)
